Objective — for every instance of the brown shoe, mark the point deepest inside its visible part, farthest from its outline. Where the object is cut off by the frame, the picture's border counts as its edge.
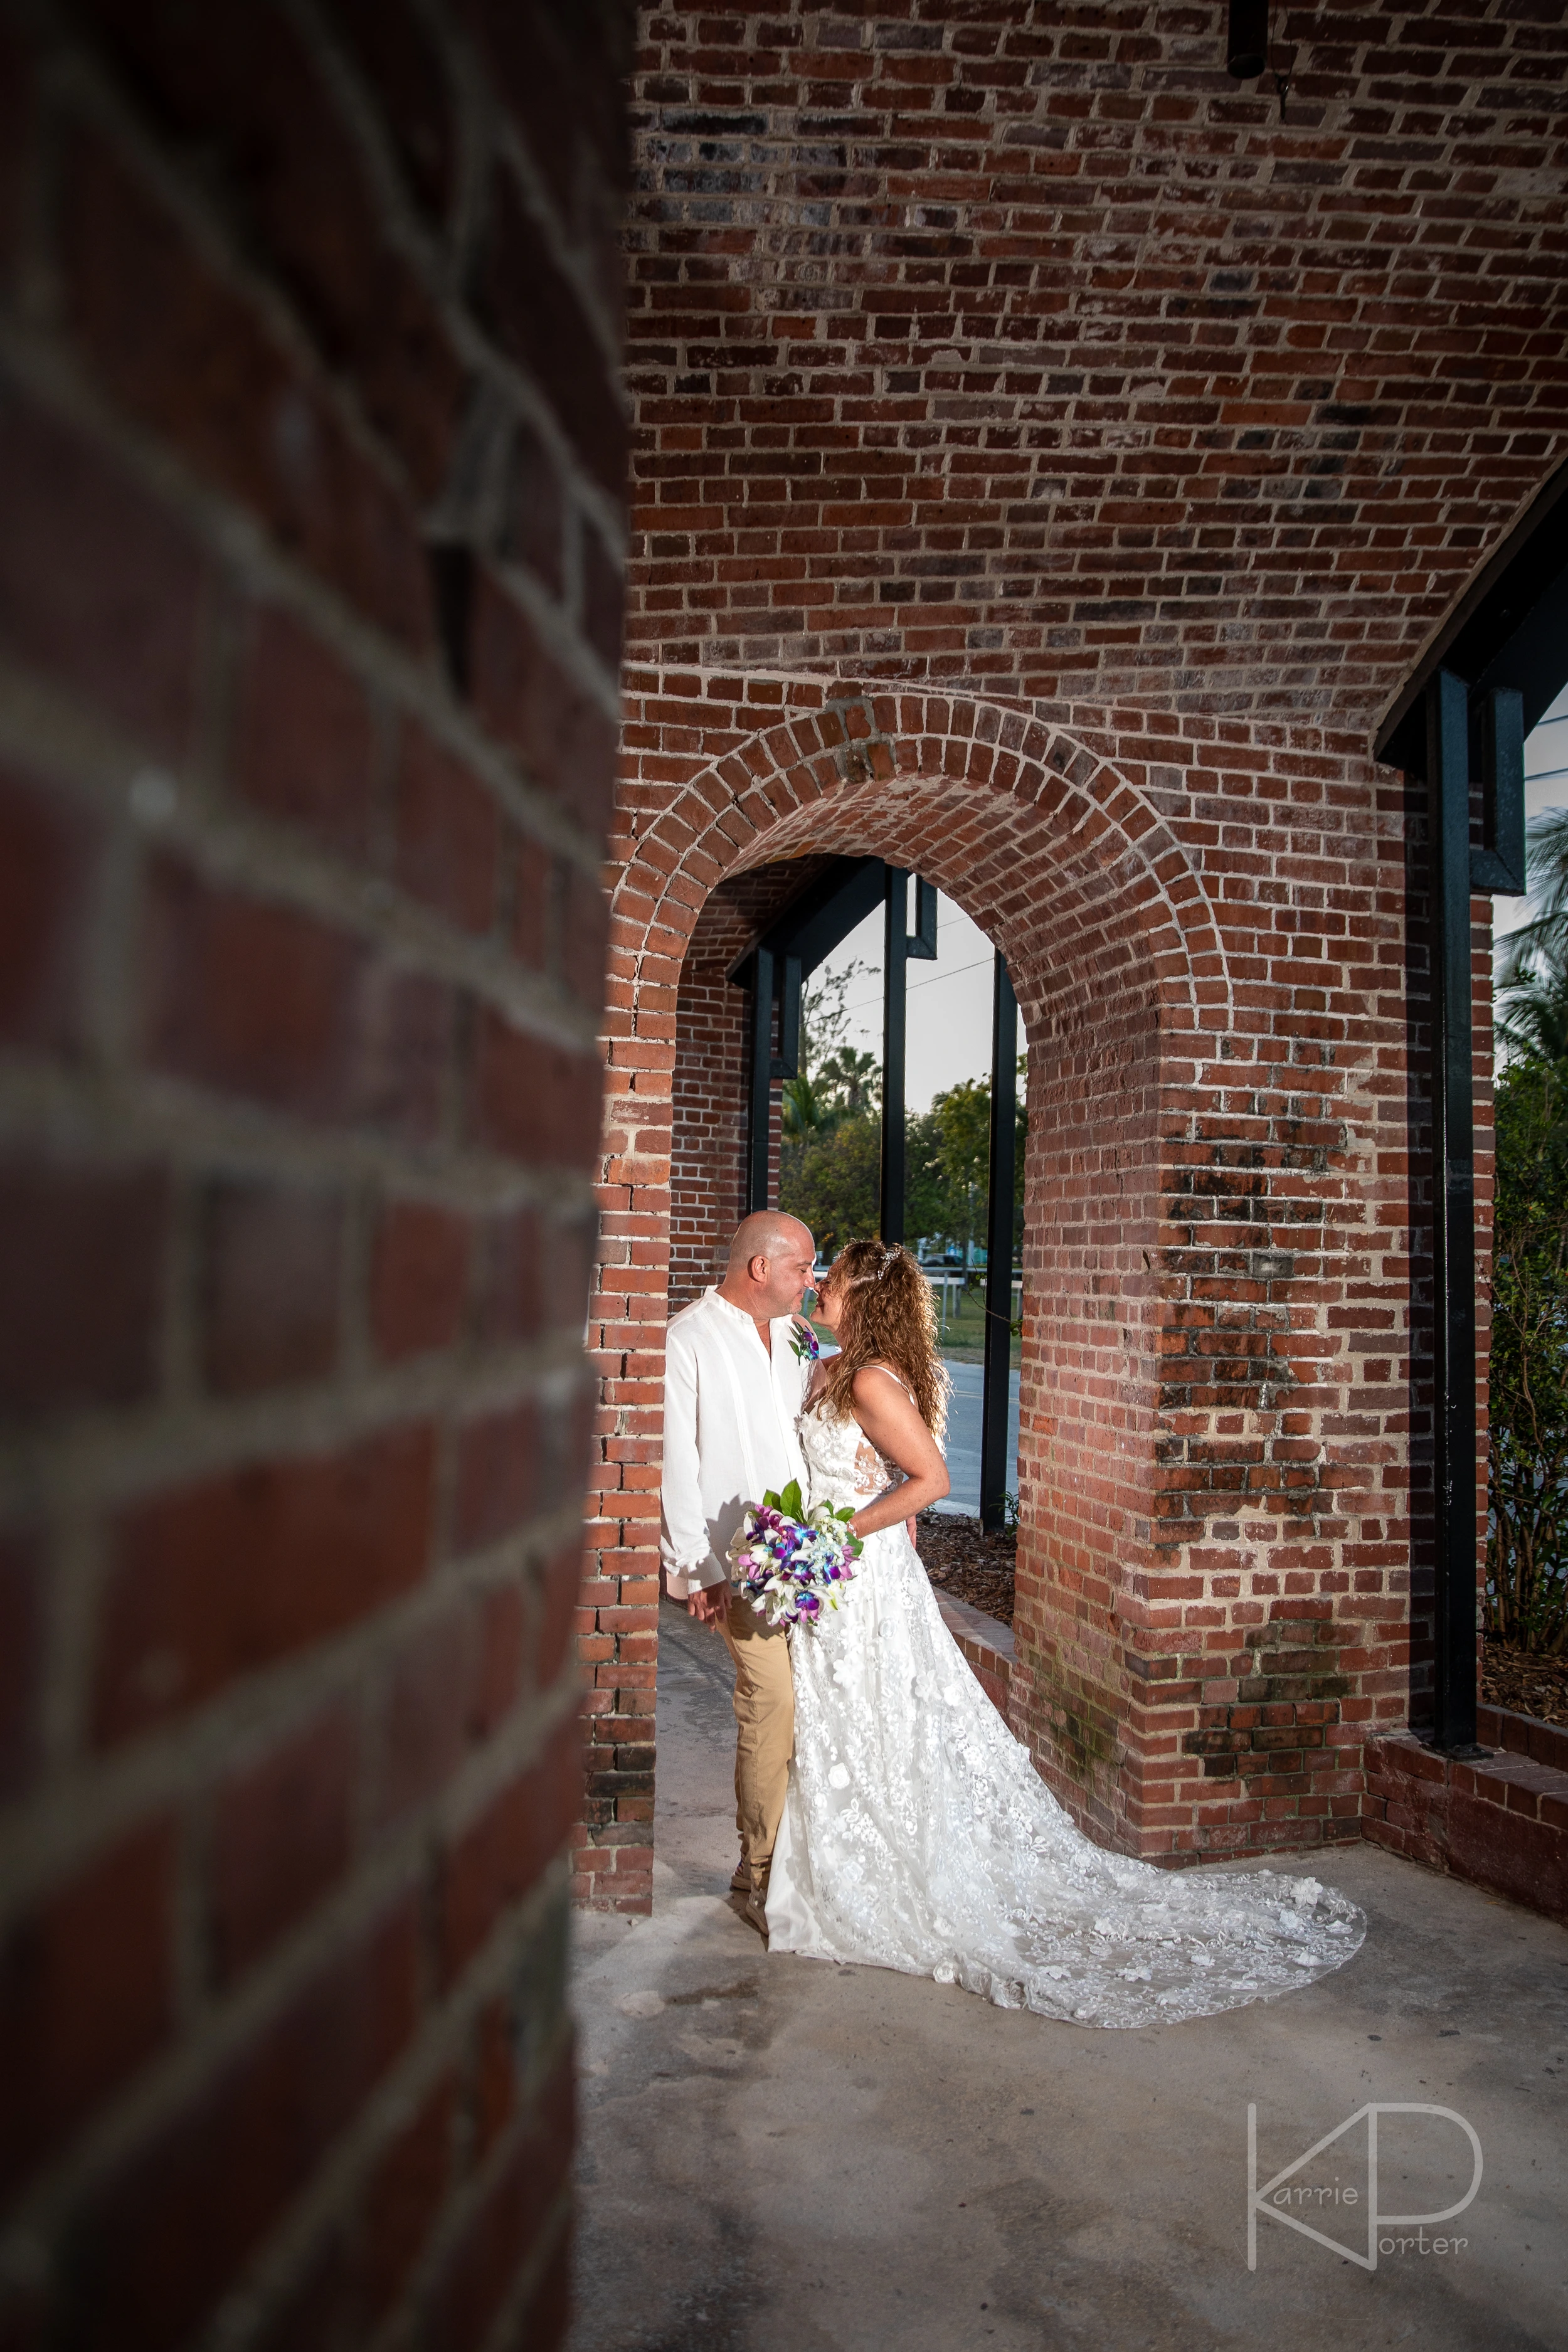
(742, 1881)
(754, 1912)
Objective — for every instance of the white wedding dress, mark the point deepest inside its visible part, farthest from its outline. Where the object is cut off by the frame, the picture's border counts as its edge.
(918, 1835)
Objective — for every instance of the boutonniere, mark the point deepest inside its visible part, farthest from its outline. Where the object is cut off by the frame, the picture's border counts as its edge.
(806, 1343)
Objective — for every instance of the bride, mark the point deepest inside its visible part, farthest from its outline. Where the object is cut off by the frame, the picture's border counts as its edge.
(916, 1833)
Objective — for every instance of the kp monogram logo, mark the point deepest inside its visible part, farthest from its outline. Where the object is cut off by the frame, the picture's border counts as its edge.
(1275, 2198)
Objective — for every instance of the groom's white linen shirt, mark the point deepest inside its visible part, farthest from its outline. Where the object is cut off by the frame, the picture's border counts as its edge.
(730, 1411)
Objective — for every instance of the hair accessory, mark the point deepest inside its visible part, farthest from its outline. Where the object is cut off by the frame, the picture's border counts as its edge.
(888, 1258)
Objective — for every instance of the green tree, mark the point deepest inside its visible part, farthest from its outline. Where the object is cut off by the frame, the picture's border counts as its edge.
(961, 1121)
(925, 1197)
(830, 1162)
(1541, 946)
(1527, 1550)
(1534, 1018)
(850, 1082)
(803, 1108)
(833, 1078)
(831, 1179)
(957, 1162)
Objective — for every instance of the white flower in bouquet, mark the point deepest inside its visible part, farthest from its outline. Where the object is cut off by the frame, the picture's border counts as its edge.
(789, 1563)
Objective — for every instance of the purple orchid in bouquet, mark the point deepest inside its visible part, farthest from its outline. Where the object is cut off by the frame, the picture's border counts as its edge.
(790, 1563)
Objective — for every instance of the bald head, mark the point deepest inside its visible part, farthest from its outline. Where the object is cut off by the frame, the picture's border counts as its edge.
(771, 1259)
(768, 1235)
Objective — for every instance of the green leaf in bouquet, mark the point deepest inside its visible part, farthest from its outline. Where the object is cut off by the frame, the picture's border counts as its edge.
(790, 1502)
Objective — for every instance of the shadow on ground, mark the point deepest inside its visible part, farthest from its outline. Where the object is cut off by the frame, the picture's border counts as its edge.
(779, 2156)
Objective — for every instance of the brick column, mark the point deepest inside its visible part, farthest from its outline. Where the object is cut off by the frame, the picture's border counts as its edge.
(311, 542)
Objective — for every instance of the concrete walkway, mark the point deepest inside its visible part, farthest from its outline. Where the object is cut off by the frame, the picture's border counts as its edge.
(779, 2156)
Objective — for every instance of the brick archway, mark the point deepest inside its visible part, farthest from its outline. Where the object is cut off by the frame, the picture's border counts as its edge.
(1123, 979)
(929, 773)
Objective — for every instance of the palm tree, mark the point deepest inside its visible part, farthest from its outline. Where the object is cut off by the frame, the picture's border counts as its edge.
(1534, 1019)
(802, 1114)
(1534, 983)
(851, 1081)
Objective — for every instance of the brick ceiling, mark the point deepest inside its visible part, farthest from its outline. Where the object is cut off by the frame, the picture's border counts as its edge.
(1017, 344)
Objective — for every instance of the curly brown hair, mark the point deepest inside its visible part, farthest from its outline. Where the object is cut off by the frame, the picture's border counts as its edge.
(886, 1316)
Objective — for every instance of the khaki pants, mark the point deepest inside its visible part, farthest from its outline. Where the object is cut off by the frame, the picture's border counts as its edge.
(765, 1710)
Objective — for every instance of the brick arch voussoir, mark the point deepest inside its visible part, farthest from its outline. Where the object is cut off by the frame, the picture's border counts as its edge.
(764, 799)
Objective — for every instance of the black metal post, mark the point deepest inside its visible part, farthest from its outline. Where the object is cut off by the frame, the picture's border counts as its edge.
(1501, 864)
(923, 939)
(998, 1378)
(759, 1082)
(895, 953)
(787, 1061)
(1453, 1215)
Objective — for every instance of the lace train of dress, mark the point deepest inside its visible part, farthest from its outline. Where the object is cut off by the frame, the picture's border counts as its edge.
(917, 1834)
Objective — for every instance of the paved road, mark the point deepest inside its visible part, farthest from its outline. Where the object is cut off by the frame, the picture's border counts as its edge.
(963, 1437)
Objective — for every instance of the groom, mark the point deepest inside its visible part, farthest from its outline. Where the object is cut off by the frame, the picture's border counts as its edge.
(733, 1384)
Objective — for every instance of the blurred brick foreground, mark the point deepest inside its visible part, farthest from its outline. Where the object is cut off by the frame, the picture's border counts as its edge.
(312, 536)
(1048, 467)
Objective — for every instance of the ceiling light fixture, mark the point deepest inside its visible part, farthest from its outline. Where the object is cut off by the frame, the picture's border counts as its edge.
(1247, 48)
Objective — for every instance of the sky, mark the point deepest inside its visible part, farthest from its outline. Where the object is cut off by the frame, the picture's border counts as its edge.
(948, 1035)
(950, 1001)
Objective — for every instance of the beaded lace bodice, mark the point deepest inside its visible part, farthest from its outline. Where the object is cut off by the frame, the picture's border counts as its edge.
(918, 1834)
(844, 1467)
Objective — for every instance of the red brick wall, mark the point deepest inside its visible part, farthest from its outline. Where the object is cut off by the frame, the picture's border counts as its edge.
(310, 548)
(1048, 466)
(712, 1048)
(1028, 351)
(708, 1124)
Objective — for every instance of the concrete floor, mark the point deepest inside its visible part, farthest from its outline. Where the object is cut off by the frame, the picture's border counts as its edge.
(781, 2156)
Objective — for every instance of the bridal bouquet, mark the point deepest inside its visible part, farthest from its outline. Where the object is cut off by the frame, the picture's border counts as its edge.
(790, 1562)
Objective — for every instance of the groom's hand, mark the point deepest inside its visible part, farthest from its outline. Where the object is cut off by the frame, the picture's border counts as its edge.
(707, 1603)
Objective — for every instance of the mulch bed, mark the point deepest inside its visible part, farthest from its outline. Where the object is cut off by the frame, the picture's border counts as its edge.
(1525, 1682)
(961, 1558)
